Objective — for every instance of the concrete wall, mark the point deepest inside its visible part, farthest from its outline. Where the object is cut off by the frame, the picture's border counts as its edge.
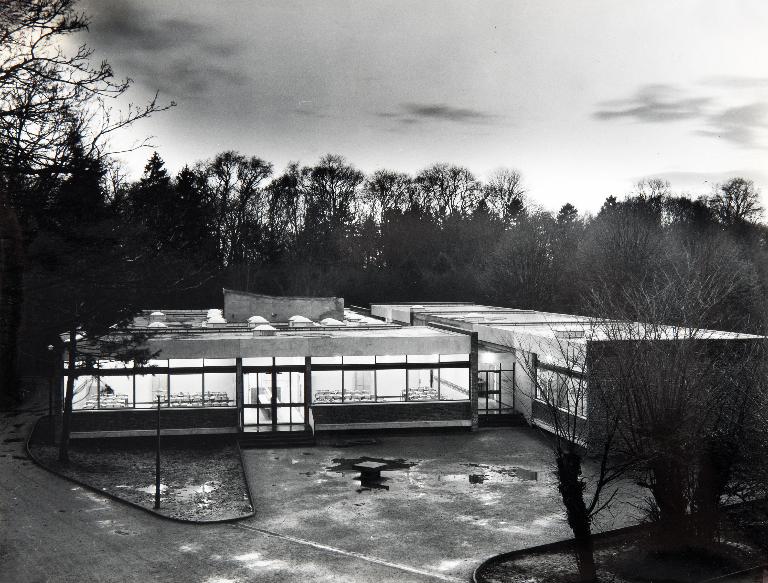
(392, 415)
(239, 306)
(392, 313)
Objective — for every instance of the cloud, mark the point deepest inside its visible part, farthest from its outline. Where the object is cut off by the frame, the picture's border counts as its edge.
(415, 113)
(738, 124)
(175, 55)
(653, 103)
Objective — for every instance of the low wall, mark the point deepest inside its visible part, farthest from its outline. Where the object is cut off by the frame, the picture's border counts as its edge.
(140, 421)
(392, 415)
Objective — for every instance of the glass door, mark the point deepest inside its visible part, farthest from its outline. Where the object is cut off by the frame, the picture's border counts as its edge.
(257, 398)
(289, 402)
(274, 397)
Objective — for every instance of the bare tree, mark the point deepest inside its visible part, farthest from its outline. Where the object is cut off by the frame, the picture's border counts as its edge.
(46, 94)
(388, 190)
(682, 394)
(233, 184)
(564, 394)
(736, 201)
(505, 194)
(447, 189)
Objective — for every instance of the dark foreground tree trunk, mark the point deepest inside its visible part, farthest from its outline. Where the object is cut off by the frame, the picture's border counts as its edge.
(10, 301)
(669, 489)
(715, 468)
(68, 397)
(571, 486)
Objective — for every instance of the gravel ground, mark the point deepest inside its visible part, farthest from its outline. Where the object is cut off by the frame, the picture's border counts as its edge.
(199, 481)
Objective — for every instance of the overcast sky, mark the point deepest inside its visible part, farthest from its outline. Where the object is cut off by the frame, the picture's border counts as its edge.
(583, 97)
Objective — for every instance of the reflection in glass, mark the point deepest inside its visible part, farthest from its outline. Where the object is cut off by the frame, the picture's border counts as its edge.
(358, 386)
(219, 389)
(186, 390)
(390, 385)
(149, 387)
(454, 384)
(86, 392)
(423, 384)
(326, 386)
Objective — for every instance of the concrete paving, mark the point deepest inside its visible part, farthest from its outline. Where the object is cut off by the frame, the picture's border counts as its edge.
(432, 524)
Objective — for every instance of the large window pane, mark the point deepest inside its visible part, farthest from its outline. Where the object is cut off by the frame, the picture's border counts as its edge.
(219, 362)
(454, 358)
(454, 384)
(114, 364)
(423, 358)
(116, 392)
(86, 392)
(290, 387)
(149, 387)
(565, 392)
(422, 384)
(186, 390)
(219, 389)
(359, 360)
(390, 385)
(358, 386)
(326, 360)
(390, 358)
(326, 386)
(258, 361)
(154, 364)
(185, 362)
(257, 388)
(289, 361)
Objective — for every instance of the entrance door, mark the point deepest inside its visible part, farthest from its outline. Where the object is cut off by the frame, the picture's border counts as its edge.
(289, 397)
(274, 399)
(489, 391)
(257, 398)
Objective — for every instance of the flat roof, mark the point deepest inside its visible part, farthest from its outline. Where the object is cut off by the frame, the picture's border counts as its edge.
(550, 324)
(312, 332)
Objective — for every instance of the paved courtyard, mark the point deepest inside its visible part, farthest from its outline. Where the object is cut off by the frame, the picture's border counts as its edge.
(455, 500)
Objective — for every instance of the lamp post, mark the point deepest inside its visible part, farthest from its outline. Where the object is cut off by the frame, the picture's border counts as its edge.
(51, 381)
(157, 459)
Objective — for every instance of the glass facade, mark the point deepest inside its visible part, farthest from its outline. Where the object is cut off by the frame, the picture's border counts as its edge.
(390, 378)
(273, 388)
(176, 382)
(566, 392)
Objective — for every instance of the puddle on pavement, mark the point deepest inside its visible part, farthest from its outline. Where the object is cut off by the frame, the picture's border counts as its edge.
(190, 491)
(151, 489)
(485, 474)
(354, 442)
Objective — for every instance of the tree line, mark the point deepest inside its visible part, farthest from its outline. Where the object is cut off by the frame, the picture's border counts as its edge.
(82, 247)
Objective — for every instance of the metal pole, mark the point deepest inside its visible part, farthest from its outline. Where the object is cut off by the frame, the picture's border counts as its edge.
(157, 459)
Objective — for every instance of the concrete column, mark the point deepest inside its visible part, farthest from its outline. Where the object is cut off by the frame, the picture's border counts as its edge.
(239, 392)
(473, 367)
(307, 388)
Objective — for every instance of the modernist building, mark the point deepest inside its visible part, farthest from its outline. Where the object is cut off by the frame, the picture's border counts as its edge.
(268, 363)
